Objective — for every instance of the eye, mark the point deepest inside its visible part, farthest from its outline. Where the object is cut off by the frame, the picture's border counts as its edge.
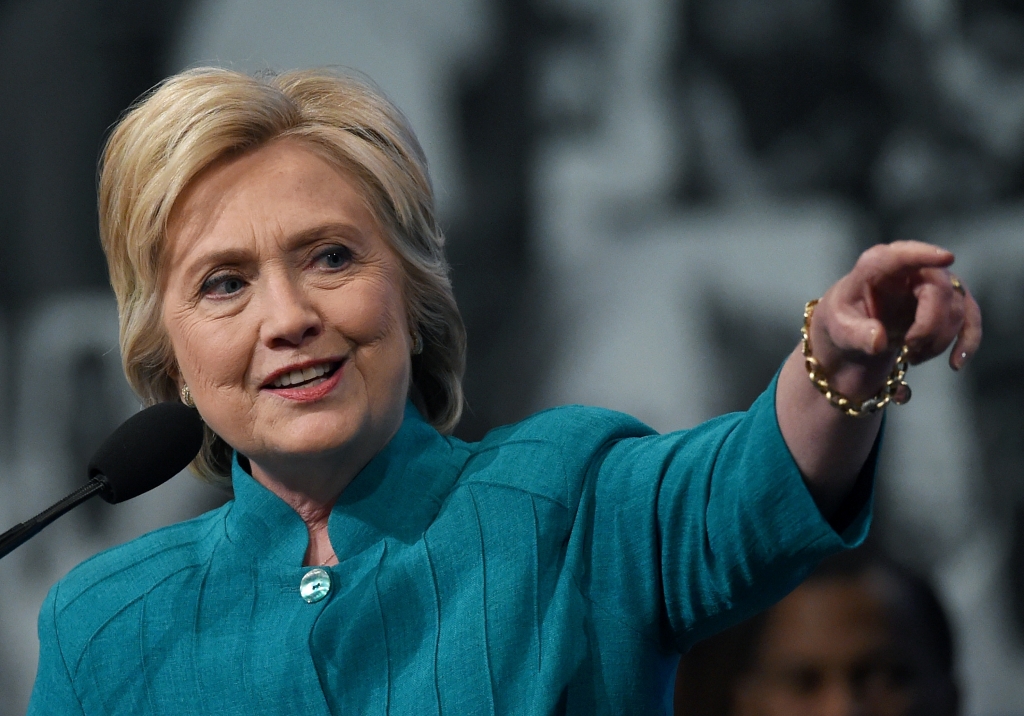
(333, 257)
(804, 680)
(222, 285)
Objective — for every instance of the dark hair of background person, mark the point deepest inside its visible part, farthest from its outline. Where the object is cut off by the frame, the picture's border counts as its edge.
(711, 671)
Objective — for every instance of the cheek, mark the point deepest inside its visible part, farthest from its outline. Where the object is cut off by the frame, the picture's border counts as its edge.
(371, 314)
(377, 324)
(209, 353)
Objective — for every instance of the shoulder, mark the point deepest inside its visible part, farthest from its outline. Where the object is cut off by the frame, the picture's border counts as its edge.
(107, 583)
(550, 452)
(573, 428)
(156, 552)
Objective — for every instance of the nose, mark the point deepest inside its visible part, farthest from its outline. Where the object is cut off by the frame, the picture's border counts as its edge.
(839, 699)
(289, 316)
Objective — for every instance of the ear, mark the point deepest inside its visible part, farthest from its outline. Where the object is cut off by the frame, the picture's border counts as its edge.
(174, 374)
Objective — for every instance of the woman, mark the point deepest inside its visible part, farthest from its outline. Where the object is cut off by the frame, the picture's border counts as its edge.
(277, 263)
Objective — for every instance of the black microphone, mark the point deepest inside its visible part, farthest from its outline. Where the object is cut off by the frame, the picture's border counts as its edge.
(147, 450)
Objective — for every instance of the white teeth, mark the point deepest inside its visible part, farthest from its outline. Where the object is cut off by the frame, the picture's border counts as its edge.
(301, 376)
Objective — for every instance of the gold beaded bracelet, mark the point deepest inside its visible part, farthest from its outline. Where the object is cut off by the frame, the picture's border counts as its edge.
(895, 389)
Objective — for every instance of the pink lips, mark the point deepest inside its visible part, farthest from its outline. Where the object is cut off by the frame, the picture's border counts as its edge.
(310, 393)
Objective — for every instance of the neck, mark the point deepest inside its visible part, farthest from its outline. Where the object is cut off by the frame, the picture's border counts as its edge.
(312, 500)
(311, 486)
(308, 488)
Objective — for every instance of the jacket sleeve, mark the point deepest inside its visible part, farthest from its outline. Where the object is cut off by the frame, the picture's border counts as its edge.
(689, 532)
(53, 692)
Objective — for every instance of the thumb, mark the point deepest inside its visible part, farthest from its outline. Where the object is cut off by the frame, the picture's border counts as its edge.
(853, 331)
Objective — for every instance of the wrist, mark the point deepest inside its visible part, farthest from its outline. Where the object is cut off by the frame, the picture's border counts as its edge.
(856, 382)
(855, 374)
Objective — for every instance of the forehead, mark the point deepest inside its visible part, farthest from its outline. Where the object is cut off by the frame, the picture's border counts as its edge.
(826, 618)
(278, 190)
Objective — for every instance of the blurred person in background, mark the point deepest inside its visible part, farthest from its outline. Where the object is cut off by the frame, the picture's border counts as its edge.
(861, 636)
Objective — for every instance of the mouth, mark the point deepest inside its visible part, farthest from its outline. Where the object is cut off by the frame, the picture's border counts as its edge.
(306, 376)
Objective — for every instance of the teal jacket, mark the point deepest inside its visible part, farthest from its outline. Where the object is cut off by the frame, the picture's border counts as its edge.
(558, 566)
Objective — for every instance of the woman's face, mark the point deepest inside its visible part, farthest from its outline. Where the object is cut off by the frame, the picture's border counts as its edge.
(284, 307)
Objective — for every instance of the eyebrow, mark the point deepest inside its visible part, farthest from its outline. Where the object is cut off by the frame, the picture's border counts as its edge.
(241, 256)
(332, 228)
(222, 257)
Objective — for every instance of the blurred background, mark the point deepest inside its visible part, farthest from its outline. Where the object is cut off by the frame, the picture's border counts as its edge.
(639, 196)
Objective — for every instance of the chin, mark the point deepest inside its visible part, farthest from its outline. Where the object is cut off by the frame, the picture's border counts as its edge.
(345, 431)
(315, 435)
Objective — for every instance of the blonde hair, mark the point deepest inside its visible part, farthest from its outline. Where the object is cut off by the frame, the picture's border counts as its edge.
(199, 116)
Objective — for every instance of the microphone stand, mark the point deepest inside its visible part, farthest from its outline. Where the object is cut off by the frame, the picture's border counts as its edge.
(19, 534)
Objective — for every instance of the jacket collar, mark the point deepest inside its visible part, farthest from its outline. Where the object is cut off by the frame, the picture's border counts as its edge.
(396, 496)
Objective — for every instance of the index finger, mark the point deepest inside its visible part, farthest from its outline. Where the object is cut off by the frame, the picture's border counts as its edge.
(890, 259)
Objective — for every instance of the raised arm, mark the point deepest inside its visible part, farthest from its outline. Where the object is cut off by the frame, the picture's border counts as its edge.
(896, 294)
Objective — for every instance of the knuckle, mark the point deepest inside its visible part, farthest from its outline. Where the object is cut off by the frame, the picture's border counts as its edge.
(957, 313)
(975, 309)
(872, 255)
